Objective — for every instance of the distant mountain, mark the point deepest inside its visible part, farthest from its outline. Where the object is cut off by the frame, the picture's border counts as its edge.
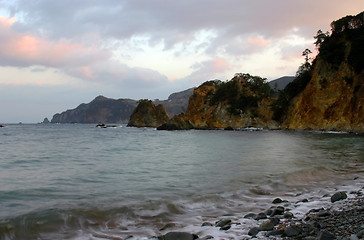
(281, 83)
(99, 110)
(108, 110)
(177, 102)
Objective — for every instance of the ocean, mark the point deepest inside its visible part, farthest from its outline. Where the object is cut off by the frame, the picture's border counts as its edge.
(76, 181)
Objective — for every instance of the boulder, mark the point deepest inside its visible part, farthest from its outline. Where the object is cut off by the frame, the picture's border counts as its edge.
(325, 235)
(178, 236)
(292, 230)
(253, 231)
(266, 226)
(224, 224)
(338, 196)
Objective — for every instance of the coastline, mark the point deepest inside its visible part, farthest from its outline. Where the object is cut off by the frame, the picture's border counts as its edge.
(322, 217)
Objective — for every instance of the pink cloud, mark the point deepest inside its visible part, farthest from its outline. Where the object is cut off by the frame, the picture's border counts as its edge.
(257, 41)
(22, 49)
(220, 65)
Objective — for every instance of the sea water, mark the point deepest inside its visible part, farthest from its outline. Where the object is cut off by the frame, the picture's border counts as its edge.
(76, 181)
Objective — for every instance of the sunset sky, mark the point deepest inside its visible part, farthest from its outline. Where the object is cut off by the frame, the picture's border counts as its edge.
(56, 54)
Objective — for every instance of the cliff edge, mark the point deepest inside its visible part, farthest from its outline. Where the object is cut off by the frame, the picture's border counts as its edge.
(333, 98)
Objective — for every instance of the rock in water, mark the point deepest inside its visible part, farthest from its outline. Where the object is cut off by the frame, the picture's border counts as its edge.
(266, 226)
(46, 120)
(178, 236)
(338, 196)
(254, 231)
(147, 114)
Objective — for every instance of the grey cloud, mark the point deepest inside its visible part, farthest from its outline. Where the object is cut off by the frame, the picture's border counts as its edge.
(166, 19)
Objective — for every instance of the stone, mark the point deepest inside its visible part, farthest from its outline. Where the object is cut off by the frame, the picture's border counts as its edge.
(266, 226)
(292, 230)
(178, 236)
(277, 200)
(277, 211)
(288, 215)
(360, 234)
(338, 196)
(325, 235)
(276, 232)
(223, 222)
(274, 220)
(251, 215)
(354, 237)
(207, 224)
(253, 231)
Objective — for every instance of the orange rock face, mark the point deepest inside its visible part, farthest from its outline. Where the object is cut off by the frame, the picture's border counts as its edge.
(332, 100)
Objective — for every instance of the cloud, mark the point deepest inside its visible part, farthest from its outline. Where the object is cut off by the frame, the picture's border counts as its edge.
(208, 70)
(89, 63)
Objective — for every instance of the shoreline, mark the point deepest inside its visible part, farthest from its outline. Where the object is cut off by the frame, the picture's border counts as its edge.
(339, 215)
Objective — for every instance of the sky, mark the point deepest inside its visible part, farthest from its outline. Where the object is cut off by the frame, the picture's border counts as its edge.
(57, 54)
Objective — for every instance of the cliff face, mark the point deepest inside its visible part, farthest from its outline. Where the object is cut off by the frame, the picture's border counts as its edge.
(333, 99)
(147, 114)
(241, 102)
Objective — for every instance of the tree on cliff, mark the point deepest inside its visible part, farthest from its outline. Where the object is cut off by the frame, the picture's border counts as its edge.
(346, 43)
(242, 92)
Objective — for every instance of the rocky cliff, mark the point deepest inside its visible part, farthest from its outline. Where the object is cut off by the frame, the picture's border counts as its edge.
(333, 99)
(244, 101)
(147, 114)
(327, 94)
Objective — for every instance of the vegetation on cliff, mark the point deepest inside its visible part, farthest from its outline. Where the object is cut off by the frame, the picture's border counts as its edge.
(241, 102)
(329, 93)
(242, 93)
